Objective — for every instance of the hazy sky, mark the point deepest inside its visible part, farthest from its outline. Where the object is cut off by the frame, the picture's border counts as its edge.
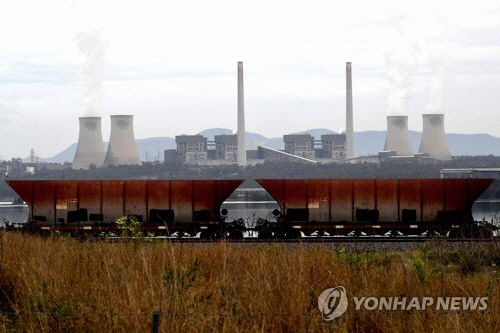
(173, 65)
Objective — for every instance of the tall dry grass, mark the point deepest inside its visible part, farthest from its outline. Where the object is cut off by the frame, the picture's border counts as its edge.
(51, 284)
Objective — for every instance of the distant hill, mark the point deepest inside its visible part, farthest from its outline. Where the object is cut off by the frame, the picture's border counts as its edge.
(365, 143)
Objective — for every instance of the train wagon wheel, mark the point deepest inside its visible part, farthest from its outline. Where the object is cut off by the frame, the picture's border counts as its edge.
(265, 234)
(209, 235)
(235, 234)
(293, 234)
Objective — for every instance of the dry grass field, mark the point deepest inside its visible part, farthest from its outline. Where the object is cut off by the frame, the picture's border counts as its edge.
(55, 283)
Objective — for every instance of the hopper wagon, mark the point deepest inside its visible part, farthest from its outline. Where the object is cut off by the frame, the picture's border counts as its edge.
(309, 207)
(373, 206)
(164, 207)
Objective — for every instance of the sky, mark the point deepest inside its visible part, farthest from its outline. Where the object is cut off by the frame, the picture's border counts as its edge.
(173, 65)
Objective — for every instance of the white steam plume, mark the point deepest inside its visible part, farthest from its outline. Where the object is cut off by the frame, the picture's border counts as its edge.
(437, 86)
(93, 47)
(437, 60)
(401, 60)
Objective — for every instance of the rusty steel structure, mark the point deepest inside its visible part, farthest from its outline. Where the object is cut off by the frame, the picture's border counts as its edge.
(374, 206)
(94, 204)
(321, 207)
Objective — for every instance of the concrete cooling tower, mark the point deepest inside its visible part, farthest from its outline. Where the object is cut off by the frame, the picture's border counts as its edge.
(122, 149)
(90, 148)
(433, 137)
(397, 136)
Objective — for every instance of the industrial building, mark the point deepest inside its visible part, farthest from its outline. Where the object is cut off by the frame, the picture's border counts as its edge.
(300, 145)
(198, 150)
(334, 146)
(191, 147)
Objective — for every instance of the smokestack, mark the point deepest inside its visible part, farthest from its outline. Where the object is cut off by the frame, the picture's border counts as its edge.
(349, 132)
(90, 148)
(242, 153)
(433, 137)
(122, 149)
(397, 136)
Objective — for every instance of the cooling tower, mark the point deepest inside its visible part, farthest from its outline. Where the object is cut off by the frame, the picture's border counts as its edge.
(349, 137)
(397, 136)
(90, 148)
(242, 154)
(122, 149)
(433, 137)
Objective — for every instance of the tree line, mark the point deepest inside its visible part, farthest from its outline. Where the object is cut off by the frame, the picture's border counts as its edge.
(268, 169)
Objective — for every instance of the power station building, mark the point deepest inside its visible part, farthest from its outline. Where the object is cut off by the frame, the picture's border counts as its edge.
(191, 147)
(198, 150)
(300, 145)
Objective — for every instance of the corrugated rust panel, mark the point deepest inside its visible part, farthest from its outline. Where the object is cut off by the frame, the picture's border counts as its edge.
(275, 188)
(159, 194)
(135, 198)
(44, 201)
(113, 199)
(90, 196)
(341, 204)
(24, 188)
(364, 193)
(224, 188)
(182, 200)
(476, 187)
(387, 199)
(432, 198)
(52, 199)
(204, 197)
(318, 199)
(410, 191)
(66, 199)
(454, 194)
(295, 193)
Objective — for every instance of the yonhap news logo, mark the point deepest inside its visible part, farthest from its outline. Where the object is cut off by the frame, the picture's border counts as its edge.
(333, 303)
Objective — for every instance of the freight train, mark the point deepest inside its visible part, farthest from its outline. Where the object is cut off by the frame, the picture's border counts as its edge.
(308, 207)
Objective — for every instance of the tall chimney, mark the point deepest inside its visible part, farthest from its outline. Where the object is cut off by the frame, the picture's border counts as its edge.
(242, 153)
(90, 148)
(397, 138)
(122, 149)
(433, 140)
(349, 131)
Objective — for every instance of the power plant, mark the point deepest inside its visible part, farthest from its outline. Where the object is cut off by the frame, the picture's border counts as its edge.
(90, 147)
(433, 140)
(122, 148)
(227, 149)
(397, 139)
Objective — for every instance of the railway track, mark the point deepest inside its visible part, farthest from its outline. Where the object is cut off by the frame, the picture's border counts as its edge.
(319, 240)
